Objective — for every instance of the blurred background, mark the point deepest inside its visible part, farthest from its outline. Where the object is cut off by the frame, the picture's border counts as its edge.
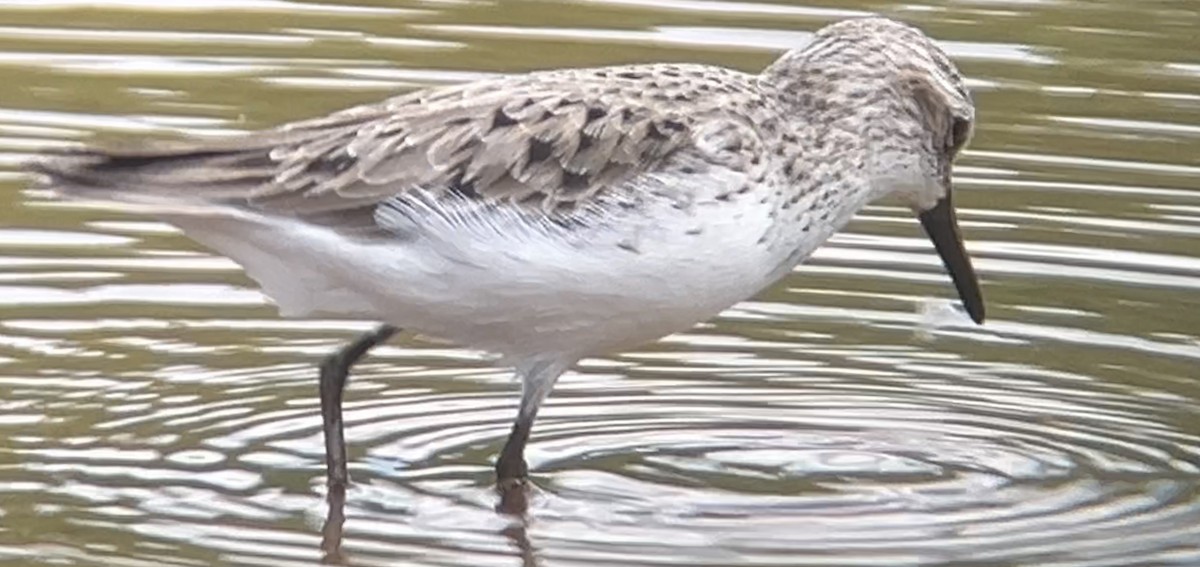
(154, 410)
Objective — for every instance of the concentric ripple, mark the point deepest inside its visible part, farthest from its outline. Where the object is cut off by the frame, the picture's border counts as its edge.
(714, 447)
(155, 411)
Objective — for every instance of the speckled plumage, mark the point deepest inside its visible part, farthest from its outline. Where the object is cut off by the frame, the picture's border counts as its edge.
(554, 215)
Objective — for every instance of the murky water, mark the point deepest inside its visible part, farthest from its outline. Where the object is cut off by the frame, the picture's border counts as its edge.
(155, 411)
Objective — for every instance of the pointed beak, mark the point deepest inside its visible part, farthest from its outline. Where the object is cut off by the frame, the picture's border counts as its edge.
(942, 227)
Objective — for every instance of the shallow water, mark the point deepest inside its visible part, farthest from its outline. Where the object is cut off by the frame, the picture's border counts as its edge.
(155, 411)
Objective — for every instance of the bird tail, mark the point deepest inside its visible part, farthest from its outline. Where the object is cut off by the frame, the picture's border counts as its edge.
(196, 172)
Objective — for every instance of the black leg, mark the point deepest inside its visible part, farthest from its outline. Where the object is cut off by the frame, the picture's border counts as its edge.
(331, 532)
(537, 379)
(510, 467)
(335, 369)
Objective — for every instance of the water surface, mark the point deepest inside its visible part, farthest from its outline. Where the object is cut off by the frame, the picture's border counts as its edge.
(154, 410)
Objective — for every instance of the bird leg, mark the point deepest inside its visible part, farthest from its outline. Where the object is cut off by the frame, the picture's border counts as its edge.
(332, 530)
(511, 467)
(537, 379)
(335, 370)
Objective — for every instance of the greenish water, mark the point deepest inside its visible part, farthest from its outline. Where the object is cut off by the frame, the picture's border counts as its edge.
(155, 411)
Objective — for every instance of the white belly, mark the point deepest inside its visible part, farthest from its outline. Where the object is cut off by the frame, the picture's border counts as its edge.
(512, 292)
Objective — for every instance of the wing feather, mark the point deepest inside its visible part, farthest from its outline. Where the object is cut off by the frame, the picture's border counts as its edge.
(538, 142)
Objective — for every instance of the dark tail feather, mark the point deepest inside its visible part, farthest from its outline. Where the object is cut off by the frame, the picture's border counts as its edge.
(194, 172)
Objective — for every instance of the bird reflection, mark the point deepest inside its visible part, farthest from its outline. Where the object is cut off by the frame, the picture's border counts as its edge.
(512, 503)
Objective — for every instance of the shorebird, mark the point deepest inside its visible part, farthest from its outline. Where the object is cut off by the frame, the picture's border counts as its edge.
(561, 214)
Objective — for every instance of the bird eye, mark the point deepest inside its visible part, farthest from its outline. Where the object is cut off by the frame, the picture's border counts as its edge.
(960, 133)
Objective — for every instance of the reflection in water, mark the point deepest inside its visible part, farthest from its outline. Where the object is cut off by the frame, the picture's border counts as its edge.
(155, 411)
(512, 506)
(513, 501)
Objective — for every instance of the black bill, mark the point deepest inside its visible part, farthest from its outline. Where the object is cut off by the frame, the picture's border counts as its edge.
(942, 227)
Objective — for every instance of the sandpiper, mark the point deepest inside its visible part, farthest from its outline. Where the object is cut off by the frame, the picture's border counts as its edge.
(561, 214)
